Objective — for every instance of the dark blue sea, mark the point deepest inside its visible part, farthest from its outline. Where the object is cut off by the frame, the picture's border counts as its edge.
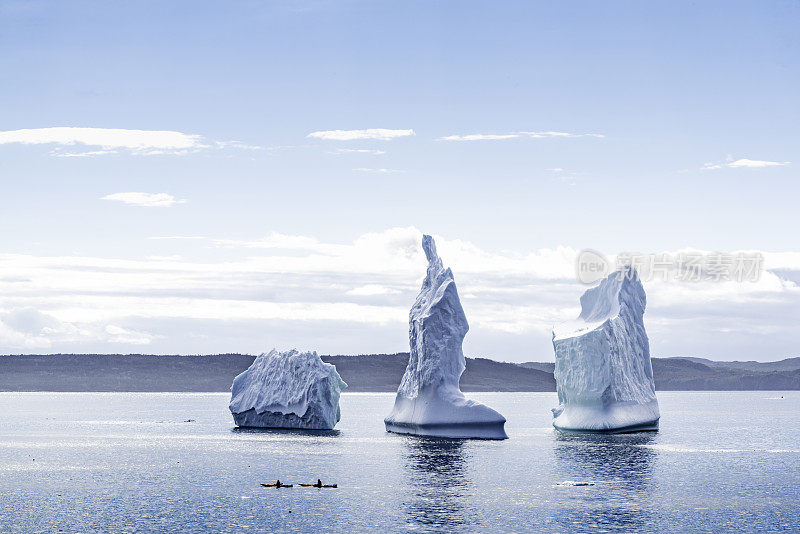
(139, 462)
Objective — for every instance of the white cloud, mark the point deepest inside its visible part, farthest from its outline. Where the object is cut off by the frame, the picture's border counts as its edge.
(60, 153)
(744, 163)
(106, 141)
(516, 135)
(370, 290)
(353, 135)
(150, 200)
(117, 334)
(108, 138)
(542, 135)
(756, 163)
(171, 257)
(237, 144)
(359, 151)
(29, 329)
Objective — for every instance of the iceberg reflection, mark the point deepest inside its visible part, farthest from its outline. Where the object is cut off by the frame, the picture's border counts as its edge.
(441, 489)
(621, 470)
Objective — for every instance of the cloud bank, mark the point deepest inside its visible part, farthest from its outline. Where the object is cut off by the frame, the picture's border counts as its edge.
(150, 200)
(287, 290)
(745, 163)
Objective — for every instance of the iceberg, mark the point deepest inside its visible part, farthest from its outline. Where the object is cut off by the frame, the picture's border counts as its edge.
(287, 390)
(603, 372)
(429, 401)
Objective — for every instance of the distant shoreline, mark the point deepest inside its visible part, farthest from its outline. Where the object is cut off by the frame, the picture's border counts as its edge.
(363, 373)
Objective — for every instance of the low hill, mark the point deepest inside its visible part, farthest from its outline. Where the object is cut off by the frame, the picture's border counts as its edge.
(140, 372)
(542, 366)
(688, 374)
(369, 372)
(700, 374)
(789, 364)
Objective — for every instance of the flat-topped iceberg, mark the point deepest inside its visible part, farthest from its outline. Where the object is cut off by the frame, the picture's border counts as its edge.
(603, 372)
(429, 401)
(287, 390)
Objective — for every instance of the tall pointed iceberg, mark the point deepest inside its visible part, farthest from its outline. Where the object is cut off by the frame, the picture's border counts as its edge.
(603, 372)
(429, 401)
(287, 390)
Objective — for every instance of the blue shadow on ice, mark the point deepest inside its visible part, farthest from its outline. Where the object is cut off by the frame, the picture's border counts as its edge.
(647, 427)
(285, 431)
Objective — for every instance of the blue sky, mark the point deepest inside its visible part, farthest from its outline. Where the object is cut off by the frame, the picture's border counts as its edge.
(682, 133)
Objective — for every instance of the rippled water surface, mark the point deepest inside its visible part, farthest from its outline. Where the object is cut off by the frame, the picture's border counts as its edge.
(79, 462)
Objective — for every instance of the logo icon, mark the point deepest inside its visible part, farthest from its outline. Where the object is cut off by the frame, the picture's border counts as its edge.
(591, 266)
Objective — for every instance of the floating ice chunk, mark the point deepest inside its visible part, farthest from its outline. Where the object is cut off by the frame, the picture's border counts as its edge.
(429, 401)
(603, 372)
(287, 390)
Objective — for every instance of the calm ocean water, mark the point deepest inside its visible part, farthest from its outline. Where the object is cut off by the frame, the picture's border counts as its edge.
(99, 462)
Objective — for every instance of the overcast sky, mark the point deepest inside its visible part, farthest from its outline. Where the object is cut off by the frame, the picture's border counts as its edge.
(203, 177)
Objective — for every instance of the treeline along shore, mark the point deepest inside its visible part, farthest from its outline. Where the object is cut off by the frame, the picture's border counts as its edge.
(369, 372)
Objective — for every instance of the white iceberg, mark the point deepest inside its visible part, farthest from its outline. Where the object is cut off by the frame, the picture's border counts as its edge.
(603, 372)
(429, 401)
(287, 390)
